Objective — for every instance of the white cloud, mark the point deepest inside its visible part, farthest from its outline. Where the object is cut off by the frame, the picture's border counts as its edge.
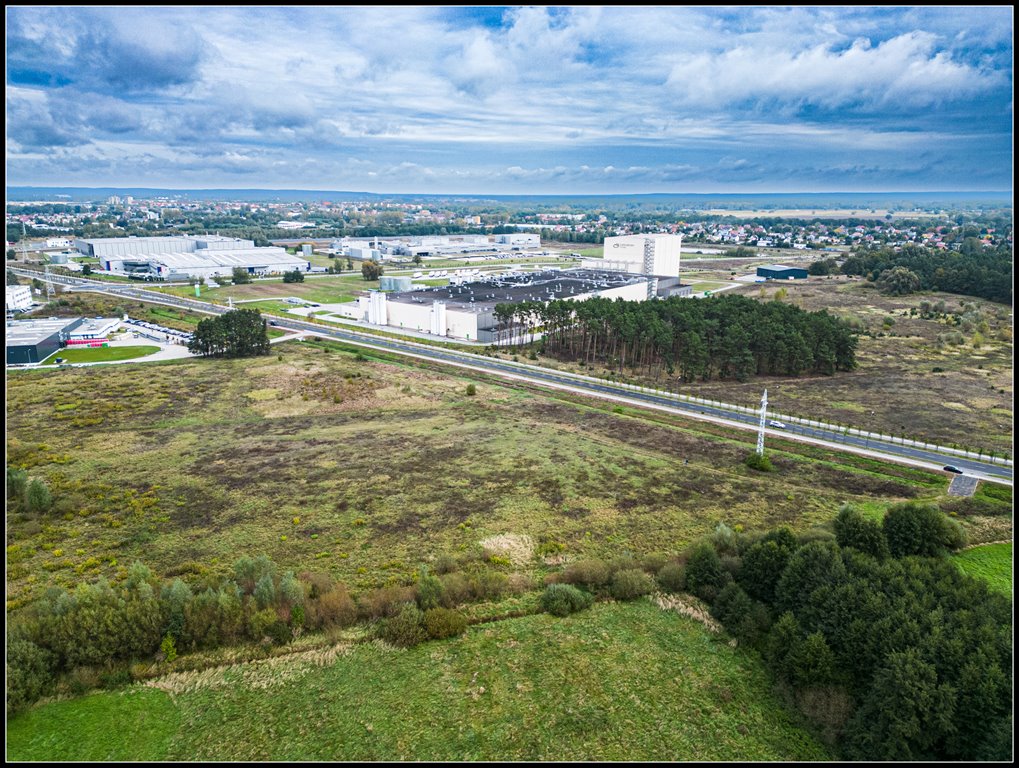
(905, 70)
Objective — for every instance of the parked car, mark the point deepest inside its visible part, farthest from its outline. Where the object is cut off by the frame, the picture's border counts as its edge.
(950, 468)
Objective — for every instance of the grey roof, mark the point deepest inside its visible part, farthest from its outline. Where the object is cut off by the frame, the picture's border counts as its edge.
(528, 286)
(23, 333)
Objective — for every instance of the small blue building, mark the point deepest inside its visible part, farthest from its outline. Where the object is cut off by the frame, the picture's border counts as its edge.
(780, 272)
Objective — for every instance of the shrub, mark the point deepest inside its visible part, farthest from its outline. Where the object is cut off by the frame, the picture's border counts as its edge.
(746, 620)
(114, 678)
(631, 584)
(279, 632)
(759, 462)
(333, 609)
(29, 671)
(456, 590)
(564, 599)
(265, 592)
(812, 662)
(918, 529)
(442, 622)
(852, 529)
(168, 648)
(654, 562)
(672, 577)
(762, 567)
(444, 563)
(488, 585)
(17, 482)
(624, 563)
(732, 565)
(590, 573)
(472, 390)
(405, 629)
(385, 602)
(37, 496)
(704, 574)
(429, 592)
(725, 540)
(81, 680)
(519, 583)
(260, 622)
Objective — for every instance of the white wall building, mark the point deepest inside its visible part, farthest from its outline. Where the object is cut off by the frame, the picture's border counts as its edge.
(519, 239)
(203, 256)
(18, 298)
(626, 254)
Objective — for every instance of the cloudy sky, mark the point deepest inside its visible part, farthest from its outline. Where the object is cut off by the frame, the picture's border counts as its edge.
(512, 100)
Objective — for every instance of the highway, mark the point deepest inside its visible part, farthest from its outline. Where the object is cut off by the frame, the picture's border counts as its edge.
(730, 415)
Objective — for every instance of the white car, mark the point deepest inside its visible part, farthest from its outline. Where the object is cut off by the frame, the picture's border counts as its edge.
(776, 424)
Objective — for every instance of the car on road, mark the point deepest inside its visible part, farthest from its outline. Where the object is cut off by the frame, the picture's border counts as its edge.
(950, 468)
(776, 424)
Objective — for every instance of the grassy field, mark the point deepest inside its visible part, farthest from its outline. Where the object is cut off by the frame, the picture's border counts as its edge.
(103, 354)
(905, 382)
(619, 682)
(366, 470)
(320, 289)
(990, 562)
(99, 305)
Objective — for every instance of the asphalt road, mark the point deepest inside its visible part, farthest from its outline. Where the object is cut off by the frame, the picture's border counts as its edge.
(585, 385)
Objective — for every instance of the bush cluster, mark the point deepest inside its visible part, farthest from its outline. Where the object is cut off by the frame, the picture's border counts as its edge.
(880, 639)
(564, 599)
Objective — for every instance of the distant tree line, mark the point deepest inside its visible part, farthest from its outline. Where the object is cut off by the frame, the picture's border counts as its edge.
(973, 270)
(238, 333)
(727, 337)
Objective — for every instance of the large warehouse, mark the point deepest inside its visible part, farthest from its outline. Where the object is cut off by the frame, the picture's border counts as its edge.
(32, 341)
(187, 257)
(467, 310)
(781, 272)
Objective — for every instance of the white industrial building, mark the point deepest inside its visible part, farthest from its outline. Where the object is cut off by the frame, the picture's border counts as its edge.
(431, 245)
(18, 298)
(519, 239)
(467, 310)
(187, 257)
(641, 255)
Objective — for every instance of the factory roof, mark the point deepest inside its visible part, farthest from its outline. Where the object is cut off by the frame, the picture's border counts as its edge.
(245, 257)
(483, 295)
(96, 326)
(23, 333)
(129, 239)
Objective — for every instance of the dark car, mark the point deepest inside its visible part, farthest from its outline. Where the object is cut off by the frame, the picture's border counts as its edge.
(950, 468)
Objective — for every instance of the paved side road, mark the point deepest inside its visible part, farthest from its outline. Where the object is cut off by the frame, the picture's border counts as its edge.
(963, 485)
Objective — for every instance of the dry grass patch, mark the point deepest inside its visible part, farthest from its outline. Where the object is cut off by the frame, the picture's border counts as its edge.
(518, 549)
(688, 606)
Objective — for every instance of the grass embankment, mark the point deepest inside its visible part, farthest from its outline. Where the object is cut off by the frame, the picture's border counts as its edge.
(87, 304)
(365, 470)
(990, 562)
(623, 682)
(102, 354)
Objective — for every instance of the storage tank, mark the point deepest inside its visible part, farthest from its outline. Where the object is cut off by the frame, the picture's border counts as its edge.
(395, 283)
